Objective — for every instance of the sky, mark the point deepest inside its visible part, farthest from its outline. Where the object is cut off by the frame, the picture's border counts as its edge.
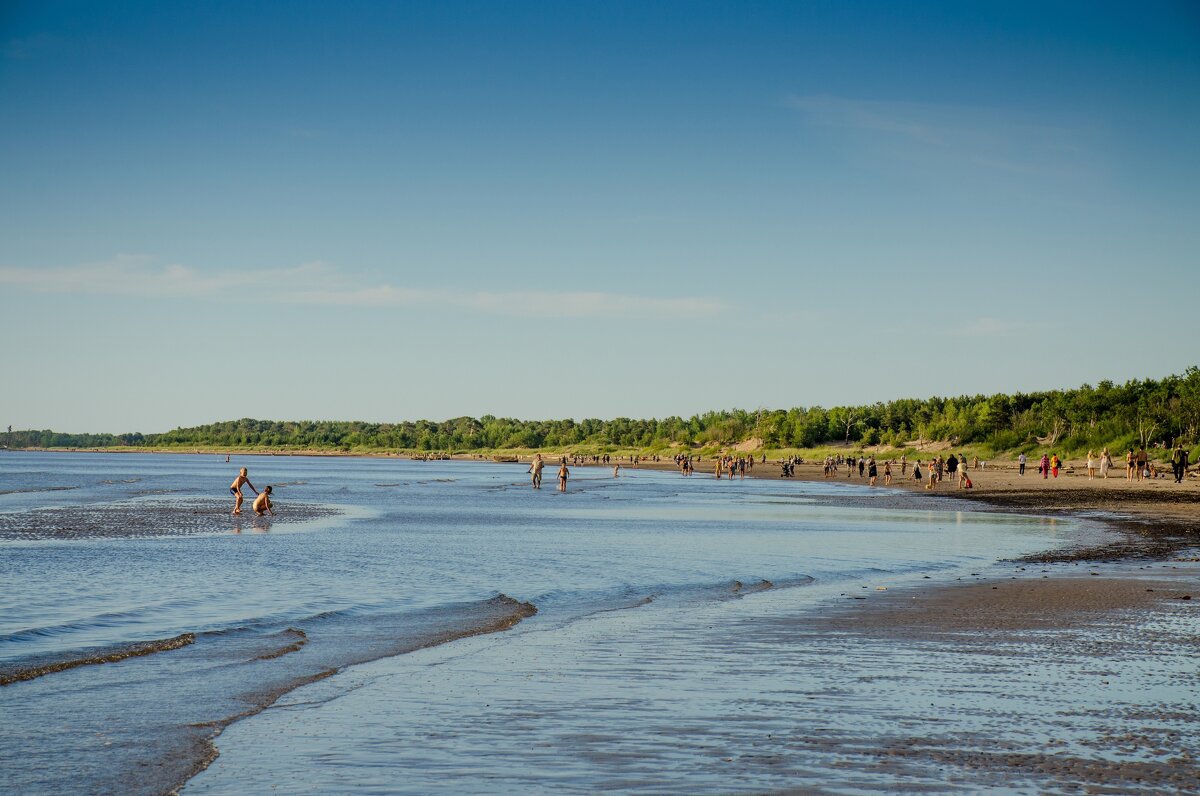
(394, 211)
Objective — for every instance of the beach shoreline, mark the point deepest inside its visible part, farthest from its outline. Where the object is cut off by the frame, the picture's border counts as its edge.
(1128, 592)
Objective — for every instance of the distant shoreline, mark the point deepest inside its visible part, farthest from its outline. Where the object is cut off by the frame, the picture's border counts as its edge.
(1171, 507)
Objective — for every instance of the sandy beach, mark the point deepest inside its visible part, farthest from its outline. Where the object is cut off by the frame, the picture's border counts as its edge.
(1062, 665)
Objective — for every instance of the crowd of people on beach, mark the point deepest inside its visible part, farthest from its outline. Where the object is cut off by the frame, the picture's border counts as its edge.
(930, 472)
(1139, 466)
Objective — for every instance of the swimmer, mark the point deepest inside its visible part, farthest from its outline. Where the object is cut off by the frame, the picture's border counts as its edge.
(263, 502)
(236, 489)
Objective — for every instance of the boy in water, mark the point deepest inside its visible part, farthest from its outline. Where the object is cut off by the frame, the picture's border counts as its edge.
(263, 502)
(236, 489)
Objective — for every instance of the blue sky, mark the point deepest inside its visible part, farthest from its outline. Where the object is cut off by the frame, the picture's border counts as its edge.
(398, 211)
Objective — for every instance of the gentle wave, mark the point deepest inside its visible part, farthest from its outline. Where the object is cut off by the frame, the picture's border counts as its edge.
(299, 639)
(10, 676)
(37, 489)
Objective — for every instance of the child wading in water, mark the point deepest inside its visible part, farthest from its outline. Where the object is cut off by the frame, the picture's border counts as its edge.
(563, 473)
(262, 503)
(236, 489)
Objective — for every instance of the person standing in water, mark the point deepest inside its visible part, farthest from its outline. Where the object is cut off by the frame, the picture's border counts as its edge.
(563, 474)
(535, 468)
(236, 489)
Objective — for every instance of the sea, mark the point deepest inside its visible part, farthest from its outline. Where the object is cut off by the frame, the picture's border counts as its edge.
(404, 626)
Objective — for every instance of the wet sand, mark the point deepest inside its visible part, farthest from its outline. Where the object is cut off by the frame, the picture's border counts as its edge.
(160, 517)
(1065, 672)
(1074, 650)
(1064, 685)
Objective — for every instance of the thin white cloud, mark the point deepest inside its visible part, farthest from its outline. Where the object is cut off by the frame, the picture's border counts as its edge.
(137, 275)
(317, 284)
(994, 138)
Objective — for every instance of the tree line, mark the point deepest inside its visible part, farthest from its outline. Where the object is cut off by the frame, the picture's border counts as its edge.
(1136, 413)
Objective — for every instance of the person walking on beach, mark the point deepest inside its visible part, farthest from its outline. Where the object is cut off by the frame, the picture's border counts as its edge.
(1105, 462)
(952, 466)
(1142, 459)
(917, 471)
(1091, 464)
(903, 464)
(1055, 463)
(872, 471)
(1179, 463)
(887, 473)
(236, 488)
(1021, 463)
(563, 474)
(1130, 463)
(262, 503)
(1044, 466)
(535, 468)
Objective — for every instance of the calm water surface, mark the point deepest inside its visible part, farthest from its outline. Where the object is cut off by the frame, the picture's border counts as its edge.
(416, 555)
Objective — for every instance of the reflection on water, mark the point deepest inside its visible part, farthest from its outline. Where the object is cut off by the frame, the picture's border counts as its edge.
(387, 552)
(741, 697)
(254, 524)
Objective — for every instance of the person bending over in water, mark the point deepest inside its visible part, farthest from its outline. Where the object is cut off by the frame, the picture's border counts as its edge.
(236, 489)
(263, 503)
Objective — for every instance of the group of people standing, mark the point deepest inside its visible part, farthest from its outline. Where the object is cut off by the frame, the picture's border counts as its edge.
(1139, 467)
(940, 468)
(732, 466)
(866, 467)
(538, 464)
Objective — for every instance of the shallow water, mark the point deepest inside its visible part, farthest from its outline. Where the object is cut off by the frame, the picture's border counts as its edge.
(381, 557)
